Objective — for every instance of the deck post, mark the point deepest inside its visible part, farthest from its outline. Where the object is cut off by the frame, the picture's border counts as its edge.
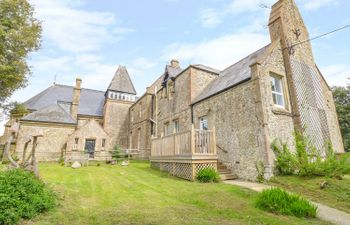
(214, 140)
(193, 144)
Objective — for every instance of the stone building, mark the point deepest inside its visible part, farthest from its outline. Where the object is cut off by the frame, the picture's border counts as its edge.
(199, 116)
(77, 121)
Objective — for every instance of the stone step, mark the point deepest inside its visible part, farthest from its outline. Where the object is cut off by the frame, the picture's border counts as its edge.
(228, 177)
(224, 172)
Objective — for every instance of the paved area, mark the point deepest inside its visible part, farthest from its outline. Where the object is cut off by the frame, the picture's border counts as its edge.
(323, 212)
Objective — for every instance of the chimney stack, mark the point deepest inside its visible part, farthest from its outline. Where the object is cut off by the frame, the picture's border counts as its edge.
(76, 98)
(174, 63)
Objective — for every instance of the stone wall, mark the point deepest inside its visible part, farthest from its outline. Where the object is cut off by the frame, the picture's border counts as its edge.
(91, 130)
(175, 105)
(51, 145)
(238, 131)
(140, 126)
(199, 81)
(116, 121)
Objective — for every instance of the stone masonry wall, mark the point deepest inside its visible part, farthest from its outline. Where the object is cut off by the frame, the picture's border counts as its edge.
(49, 146)
(238, 132)
(116, 121)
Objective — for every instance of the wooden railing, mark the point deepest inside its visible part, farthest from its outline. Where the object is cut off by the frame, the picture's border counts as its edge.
(192, 142)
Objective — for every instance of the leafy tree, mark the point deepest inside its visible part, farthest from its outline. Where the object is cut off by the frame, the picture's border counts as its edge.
(20, 34)
(342, 103)
(18, 110)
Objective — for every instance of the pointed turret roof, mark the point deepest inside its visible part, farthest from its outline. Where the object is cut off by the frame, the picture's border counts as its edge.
(121, 82)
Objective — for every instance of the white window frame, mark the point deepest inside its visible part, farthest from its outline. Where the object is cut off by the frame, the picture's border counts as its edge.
(275, 94)
(176, 126)
(76, 143)
(167, 130)
(203, 123)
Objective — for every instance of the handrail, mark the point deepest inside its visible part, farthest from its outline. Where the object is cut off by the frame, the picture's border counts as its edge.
(191, 142)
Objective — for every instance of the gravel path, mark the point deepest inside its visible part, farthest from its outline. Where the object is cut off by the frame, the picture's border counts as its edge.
(323, 212)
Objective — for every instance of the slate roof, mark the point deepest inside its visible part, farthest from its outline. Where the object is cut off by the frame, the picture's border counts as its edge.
(52, 113)
(206, 68)
(121, 82)
(171, 73)
(231, 76)
(91, 101)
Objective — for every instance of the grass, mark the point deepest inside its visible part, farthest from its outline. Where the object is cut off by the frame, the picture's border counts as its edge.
(280, 201)
(336, 193)
(138, 194)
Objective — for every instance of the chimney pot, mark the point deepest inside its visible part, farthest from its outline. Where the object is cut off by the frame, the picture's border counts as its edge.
(175, 63)
(78, 83)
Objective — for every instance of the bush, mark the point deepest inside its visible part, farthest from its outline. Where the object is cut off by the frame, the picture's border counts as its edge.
(116, 152)
(207, 175)
(308, 161)
(22, 195)
(279, 201)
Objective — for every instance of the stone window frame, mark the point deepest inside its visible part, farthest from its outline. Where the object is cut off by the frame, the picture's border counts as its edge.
(167, 128)
(200, 122)
(75, 144)
(285, 92)
(103, 144)
(176, 129)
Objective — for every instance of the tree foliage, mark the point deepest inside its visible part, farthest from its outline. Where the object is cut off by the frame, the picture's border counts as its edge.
(342, 103)
(20, 34)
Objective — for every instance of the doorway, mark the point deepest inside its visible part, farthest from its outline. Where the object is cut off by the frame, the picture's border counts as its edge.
(90, 147)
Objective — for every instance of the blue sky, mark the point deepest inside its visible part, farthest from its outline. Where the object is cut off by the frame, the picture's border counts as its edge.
(89, 39)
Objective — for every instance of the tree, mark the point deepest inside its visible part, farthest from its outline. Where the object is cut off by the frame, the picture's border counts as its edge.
(20, 34)
(342, 103)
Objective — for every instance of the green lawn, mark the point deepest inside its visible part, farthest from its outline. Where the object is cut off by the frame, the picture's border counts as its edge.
(336, 194)
(138, 194)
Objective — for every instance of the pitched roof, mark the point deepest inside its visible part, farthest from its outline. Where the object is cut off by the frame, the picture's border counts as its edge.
(206, 68)
(121, 82)
(52, 113)
(231, 76)
(91, 101)
(170, 73)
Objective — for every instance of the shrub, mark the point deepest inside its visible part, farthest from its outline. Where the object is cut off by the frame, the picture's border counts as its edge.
(116, 152)
(279, 201)
(22, 195)
(207, 175)
(308, 161)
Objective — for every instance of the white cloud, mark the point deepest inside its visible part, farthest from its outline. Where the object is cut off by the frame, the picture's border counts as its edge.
(239, 6)
(219, 52)
(336, 75)
(209, 18)
(316, 4)
(76, 30)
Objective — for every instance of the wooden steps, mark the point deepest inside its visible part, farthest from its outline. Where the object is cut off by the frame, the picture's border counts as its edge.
(225, 174)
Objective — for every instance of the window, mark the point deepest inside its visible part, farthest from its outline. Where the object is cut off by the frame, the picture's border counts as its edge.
(167, 130)
(75, 146)
(277, 91)
(132, 115)
(103, 144)
(140, 112)
(203, 123)
(176, 126)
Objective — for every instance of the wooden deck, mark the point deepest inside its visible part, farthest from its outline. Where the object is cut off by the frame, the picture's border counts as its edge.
(183, 154)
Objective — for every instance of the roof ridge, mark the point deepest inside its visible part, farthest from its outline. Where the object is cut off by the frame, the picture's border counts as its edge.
(241, 60)
(65, 85)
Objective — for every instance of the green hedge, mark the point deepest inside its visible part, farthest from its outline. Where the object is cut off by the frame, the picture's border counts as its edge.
(22, 195)
(279, 201)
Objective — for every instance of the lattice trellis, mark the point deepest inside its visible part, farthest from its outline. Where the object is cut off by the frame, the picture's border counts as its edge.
(182, 170)
(199, 166)
(311, 103)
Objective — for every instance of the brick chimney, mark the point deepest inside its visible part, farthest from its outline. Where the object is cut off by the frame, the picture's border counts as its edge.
(174, 63)
(76, 98)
